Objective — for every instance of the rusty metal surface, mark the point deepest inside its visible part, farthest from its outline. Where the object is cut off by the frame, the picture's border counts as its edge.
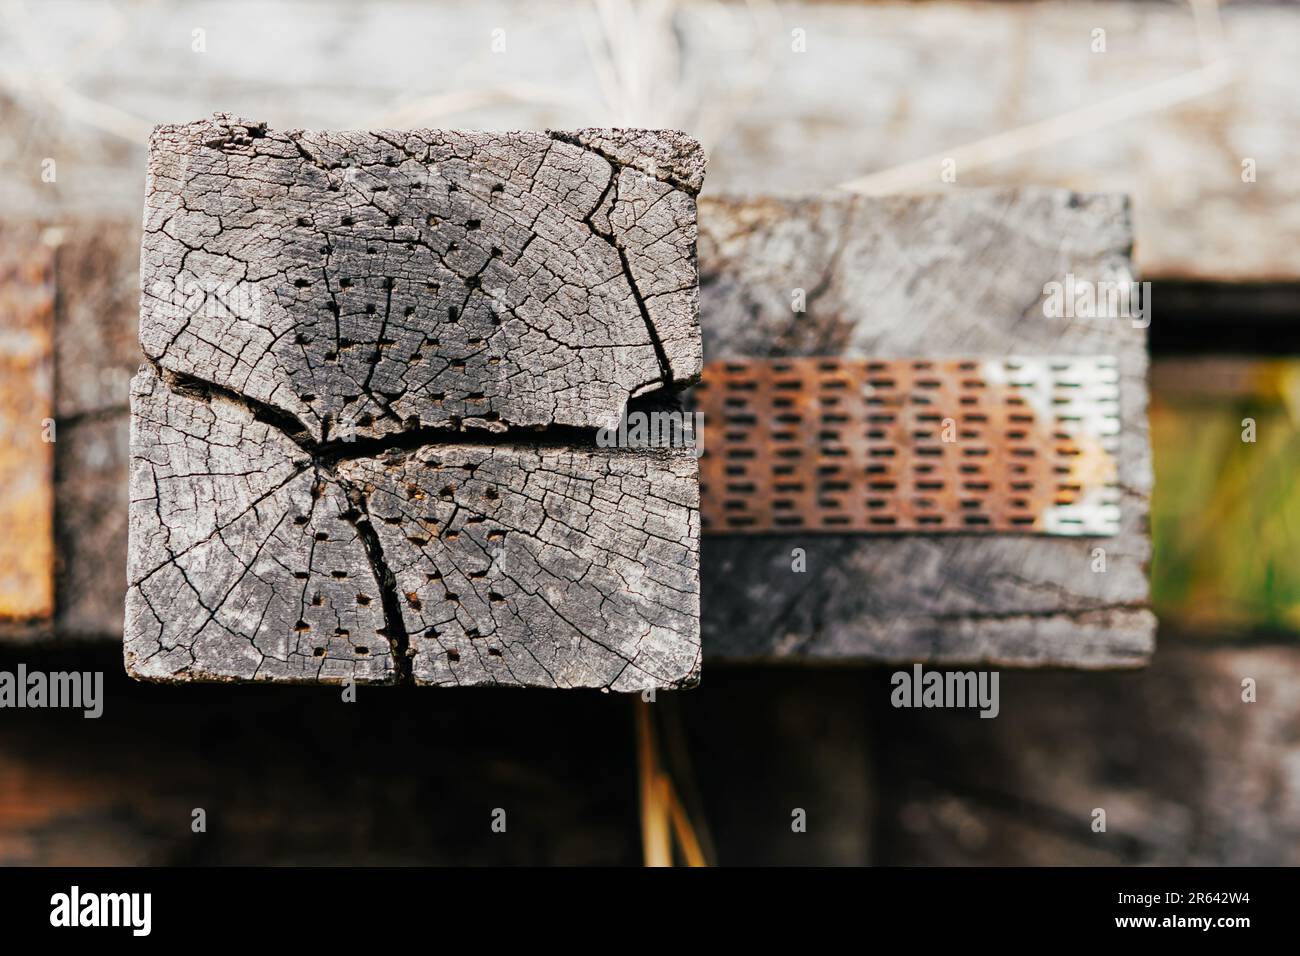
(26, 404)
(910, 445)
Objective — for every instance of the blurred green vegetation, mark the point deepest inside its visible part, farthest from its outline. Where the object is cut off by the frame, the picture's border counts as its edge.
(1225, 518)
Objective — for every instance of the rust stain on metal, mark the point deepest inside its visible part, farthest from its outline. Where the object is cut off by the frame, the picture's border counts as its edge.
(910, 445)
(26, 404)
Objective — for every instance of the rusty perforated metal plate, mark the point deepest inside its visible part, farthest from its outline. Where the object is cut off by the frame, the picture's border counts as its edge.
(910, 445)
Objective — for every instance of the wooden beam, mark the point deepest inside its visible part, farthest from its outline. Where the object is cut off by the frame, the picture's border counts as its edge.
(959, 275)
(364, 446)
(27, 429)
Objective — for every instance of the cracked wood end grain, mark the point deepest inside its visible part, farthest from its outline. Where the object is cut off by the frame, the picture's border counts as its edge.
(546, 566)
(378, 280)
(363, 444)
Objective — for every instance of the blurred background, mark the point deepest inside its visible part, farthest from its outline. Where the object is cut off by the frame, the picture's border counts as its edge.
(1192, 108)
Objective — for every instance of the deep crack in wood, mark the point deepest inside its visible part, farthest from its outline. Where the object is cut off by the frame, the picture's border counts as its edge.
(363, 447)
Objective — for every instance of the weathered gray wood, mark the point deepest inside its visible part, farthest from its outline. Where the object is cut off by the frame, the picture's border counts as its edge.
(384, 280)
(243, 563)
(363, 448)
(954, 275)
(96, 315)
(548, 567)
(483, 564)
